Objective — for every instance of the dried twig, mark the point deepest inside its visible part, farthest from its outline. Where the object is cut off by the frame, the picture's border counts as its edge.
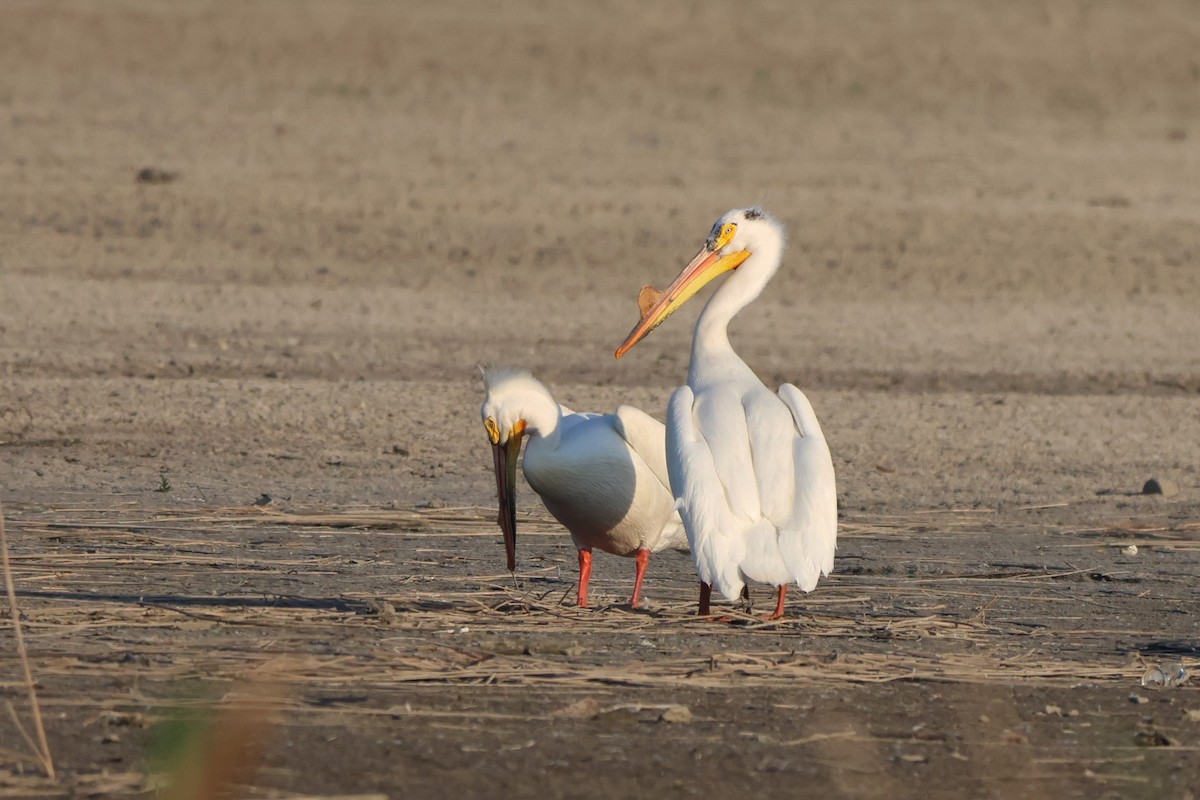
(43, 750)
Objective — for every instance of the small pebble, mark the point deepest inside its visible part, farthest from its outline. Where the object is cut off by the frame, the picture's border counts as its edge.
(1131, 550)
(588, 708)
(156, 175)
(1164, 486)
(1153, 738)
(1138, 699)
(677, 714)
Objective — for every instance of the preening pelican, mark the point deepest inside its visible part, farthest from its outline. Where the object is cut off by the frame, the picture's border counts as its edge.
(749, 467)
(603, 476)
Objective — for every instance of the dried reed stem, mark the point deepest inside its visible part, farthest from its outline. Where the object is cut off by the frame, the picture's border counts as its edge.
(44, 748)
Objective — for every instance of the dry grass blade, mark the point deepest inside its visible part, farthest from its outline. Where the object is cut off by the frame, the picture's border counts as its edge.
(43, 748)
(820, 737)
(20, 726)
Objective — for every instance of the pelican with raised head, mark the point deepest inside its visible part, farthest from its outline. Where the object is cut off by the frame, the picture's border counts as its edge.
(749, 467)
(603, 476)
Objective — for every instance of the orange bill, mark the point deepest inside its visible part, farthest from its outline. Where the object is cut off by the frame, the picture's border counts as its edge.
(657, 306)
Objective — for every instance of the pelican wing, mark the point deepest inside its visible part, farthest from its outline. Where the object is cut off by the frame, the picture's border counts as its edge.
(808, 532)
(570, 419)
(573, 417)
(771, 431)
(721, 414)
(648, 438)
(712, 530)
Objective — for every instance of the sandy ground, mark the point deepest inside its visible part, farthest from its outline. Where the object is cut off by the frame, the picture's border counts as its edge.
(261, 248)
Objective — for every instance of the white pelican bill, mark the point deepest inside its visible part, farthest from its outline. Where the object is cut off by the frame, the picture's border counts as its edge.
(749, 467)
(603, 476)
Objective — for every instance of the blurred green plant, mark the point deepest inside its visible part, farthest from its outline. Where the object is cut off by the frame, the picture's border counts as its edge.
(206, 753)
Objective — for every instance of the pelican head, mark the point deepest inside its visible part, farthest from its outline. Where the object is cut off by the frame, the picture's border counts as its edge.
(736, 236)
(511, 397)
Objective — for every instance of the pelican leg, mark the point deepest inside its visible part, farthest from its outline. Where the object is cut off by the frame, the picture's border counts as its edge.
(746, 598)
(585, 575)
(706, 602)
(643, 559)
(778, 613)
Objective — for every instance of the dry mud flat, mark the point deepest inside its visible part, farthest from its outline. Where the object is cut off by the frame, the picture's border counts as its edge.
(396, 658)
(989, 296)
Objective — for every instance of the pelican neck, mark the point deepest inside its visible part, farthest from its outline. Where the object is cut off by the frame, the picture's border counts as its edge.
(542, 417)
(711, 351)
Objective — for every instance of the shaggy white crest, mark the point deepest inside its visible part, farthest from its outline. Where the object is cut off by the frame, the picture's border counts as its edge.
(495, 376)
(514, 395)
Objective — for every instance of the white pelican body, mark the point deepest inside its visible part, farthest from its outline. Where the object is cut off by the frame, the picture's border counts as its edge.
(749, 467)
(603, 476)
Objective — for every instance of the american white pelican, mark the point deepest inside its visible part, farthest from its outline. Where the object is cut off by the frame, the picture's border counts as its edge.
(750, 468)
(603, 476)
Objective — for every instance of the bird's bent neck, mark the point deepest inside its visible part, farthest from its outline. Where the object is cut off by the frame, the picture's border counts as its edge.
(712, 354)
(542, 415)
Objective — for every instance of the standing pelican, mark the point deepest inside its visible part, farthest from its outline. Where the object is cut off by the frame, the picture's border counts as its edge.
(750, 468)
(603, 476)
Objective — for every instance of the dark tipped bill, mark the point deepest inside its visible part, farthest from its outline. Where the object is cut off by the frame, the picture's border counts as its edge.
(505, 456)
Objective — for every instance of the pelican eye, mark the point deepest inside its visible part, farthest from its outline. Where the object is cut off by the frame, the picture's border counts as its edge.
(493, 430)
(721, 237)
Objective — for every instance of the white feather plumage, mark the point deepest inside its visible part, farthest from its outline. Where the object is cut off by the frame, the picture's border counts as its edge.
(750, 468)
(603, 476)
